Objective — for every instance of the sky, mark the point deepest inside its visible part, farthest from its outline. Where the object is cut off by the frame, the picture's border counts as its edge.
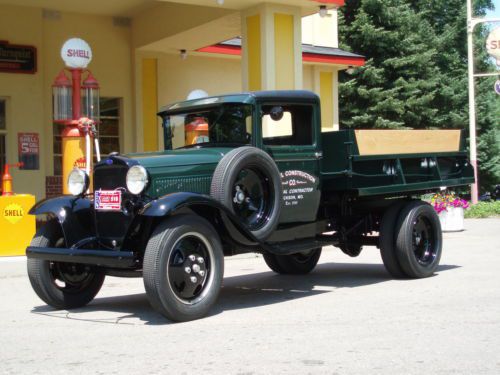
(496, 12)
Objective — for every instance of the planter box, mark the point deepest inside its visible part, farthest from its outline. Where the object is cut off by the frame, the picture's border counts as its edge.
(452, 220)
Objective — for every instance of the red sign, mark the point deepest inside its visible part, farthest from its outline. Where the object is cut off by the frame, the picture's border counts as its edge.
(108, 200)
(28, 150)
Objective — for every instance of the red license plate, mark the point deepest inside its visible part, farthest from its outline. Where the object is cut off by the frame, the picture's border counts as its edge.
(109, 200)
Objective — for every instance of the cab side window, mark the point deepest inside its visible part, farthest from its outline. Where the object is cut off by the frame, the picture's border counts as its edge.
(287, 125)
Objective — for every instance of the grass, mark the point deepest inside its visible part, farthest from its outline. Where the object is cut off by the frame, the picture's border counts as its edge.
(483, 210)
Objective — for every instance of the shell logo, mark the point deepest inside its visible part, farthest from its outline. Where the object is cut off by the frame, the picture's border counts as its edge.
(80, 163)
(493, 44)
(13, 213)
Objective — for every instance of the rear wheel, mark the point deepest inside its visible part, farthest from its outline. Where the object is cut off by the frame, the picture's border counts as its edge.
(418, 240)
(61, 285)
(294, 264)
(387, 240)
(183, 267)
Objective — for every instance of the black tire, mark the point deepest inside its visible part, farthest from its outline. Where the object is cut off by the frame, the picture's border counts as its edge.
(176, 244)
(295, 264)
(418, 239)
(247, 181)
(387, 240)
(61, 285)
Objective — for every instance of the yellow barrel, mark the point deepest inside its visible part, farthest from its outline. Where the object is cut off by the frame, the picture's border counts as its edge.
(16, 226)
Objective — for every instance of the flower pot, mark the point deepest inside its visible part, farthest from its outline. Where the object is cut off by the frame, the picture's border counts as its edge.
(452, 219)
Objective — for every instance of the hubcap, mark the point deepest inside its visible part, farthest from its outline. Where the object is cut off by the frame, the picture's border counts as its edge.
(189, 265)
(70, 277)
(252, 198)
(424, 241)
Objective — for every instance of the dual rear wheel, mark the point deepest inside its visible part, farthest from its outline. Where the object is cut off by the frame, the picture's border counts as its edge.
(410, 240)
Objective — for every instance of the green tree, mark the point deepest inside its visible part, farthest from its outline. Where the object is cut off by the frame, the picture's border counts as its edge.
(416, 70)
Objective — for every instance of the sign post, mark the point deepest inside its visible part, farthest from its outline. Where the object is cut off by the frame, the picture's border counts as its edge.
(471, 24)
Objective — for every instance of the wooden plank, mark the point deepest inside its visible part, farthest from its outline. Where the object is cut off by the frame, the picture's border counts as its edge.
(391, 142)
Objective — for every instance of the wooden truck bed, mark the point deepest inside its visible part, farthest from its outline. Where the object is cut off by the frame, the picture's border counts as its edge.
(386, 162)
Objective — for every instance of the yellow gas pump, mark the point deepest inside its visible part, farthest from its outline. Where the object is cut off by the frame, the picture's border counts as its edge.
(16, 226)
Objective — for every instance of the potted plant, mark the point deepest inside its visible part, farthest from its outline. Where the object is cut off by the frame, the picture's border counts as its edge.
(450, 210)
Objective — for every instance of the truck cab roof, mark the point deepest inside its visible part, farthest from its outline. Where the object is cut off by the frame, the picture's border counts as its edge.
(252, 97)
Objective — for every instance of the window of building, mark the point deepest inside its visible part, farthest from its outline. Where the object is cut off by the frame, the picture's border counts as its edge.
(287, 125)
(3, 134)
(109, 132)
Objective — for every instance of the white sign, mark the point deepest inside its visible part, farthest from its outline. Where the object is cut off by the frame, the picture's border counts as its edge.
(493, 44)
(497, 87)
(76, 53)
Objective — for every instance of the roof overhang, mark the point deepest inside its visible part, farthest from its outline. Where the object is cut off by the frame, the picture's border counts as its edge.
(310, 54)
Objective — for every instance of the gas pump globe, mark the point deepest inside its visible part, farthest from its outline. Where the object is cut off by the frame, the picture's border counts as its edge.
(62, 99)
(90, 98)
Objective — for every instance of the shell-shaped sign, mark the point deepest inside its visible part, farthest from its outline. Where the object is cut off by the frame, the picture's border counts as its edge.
(76, 53)
(493, 44)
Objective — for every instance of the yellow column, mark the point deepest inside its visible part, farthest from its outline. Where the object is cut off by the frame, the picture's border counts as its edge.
(149, 104)
(272, 49)
(326, 86)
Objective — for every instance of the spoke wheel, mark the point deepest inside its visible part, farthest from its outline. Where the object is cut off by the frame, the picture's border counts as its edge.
(294, 264)
(183, 267)
(418, 240)
(61, 285)
(252, 194)
(189, 267)
(387, 240)
(424, 243)
(248, 183)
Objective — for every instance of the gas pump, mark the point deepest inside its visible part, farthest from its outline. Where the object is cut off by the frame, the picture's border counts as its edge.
(76, 105)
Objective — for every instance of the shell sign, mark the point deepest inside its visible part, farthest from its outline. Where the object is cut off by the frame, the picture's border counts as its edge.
(13, 213)
(493, 44)
(76, 53)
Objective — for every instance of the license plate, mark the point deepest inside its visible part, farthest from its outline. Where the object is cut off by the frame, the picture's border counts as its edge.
(109, 200)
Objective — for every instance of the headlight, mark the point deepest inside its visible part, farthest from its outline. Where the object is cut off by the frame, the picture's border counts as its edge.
(78, 182)
(137, 179)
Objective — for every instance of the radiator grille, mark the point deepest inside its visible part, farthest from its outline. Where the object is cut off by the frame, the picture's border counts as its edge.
(200, 185)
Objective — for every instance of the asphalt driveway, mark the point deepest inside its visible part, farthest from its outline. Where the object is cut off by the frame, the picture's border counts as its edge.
(347, 317)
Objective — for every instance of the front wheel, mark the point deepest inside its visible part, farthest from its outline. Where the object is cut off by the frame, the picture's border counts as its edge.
(183, 268)
(61, 285)
(294, 264)
(418, 240)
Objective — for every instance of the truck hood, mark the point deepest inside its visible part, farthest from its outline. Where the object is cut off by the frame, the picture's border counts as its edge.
(181, 157)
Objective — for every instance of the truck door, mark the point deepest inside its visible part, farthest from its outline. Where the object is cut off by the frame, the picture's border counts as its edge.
(288, 135)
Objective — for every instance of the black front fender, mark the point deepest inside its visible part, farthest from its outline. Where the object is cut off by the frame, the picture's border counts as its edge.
(74, 214)
(206, 206)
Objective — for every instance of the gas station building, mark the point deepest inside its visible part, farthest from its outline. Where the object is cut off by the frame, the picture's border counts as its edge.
(148, 53)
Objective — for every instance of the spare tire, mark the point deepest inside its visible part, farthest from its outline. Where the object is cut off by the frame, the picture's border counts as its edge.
(247, 181)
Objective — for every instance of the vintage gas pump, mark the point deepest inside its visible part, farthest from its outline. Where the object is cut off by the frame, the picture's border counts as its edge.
(76, 105)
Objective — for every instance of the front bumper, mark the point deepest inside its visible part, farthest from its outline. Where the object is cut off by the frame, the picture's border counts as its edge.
(103, 258)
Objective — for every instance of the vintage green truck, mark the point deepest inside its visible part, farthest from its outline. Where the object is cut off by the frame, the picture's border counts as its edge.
(248, 172)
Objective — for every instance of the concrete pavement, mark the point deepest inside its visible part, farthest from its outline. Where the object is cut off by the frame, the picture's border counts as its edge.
(347, 317)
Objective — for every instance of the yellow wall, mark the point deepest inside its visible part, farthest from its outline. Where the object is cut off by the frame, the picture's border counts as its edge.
(150, 104)
(30, 96)
(320, 31)
(254, 53)
(284, 51)
(24, 93)
(326, 94)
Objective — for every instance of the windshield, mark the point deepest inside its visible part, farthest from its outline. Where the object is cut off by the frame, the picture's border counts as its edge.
(229, 124)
